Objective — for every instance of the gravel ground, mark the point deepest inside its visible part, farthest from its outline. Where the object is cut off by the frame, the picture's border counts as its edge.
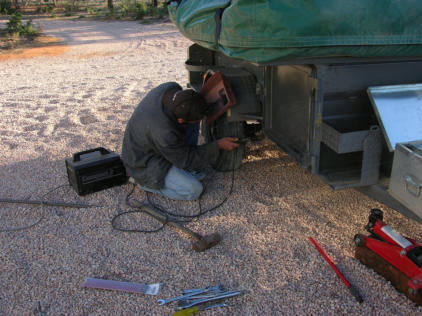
(55, 106)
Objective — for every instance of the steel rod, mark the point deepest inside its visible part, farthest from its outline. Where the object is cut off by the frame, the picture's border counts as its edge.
(46, 203)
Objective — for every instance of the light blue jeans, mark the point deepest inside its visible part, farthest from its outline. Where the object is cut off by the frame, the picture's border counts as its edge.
(180, 184)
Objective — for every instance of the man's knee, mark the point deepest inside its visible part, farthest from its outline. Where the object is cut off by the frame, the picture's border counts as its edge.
(185, 192)
(181, 185)
(194, 191)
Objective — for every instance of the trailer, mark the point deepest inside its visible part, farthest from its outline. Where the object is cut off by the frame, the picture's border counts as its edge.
(341, 96)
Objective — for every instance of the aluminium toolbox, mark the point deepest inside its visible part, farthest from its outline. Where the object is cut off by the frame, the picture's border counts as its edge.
(406, 176)
(398, 108)
(94, 170)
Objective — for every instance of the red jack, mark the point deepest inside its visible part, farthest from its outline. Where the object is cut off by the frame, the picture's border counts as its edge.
(397, 258)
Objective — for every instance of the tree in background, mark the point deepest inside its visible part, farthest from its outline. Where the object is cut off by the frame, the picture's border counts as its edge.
(149, 6)
(5, 7)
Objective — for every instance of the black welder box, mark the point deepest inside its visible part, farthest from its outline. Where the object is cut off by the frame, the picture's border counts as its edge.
(94, 170)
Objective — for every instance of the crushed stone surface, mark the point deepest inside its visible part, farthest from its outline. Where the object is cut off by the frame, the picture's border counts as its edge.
(55, 106)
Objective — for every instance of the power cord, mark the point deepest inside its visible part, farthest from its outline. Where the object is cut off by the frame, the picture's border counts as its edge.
(201, 212)
(42, 203)
(133, 211)
(178, 217)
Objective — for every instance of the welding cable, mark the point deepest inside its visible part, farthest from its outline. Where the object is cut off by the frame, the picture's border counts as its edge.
(42, 203)
(179, 217)
(134, 210)
(188, 218)
(164, 212)
(127, 230)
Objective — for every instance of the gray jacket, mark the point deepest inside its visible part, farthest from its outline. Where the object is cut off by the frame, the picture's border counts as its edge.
(154, 141)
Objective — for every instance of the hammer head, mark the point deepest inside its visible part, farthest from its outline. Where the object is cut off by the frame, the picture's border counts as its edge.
(206, 242)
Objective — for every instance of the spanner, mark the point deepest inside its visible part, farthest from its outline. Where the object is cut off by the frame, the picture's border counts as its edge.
(217, 297)
(208, 288)
(192, 293)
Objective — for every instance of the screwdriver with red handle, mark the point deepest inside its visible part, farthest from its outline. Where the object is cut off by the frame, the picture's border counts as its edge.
(351, 288)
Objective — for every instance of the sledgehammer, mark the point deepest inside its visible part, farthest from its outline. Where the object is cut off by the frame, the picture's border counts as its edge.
(200, 244)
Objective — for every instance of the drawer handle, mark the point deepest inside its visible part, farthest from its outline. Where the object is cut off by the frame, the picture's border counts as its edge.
(412, 187)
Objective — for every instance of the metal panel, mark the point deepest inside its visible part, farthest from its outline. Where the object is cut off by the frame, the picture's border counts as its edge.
(354, 78)
(338, 60)
(288, 108)
(399, 109)
(406, 177)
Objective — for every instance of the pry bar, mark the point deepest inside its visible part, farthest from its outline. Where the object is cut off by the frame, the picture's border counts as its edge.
(351, 288)
(47, 203)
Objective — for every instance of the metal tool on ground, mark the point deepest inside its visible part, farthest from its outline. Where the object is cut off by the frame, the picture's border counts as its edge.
(351, 288)
(395, 257)
(195, 309)
(201, 243)
(196, 301)
(149, 289)
(46, 203)
(187, 291)
(190, 298)
(191, 293)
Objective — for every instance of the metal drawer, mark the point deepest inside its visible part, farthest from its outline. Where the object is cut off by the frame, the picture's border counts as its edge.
(406, 176)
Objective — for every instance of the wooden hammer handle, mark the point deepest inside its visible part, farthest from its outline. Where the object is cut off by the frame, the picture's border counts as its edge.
(153, 213)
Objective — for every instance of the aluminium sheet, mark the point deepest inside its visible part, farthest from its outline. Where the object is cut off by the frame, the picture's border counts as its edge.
(399, 111)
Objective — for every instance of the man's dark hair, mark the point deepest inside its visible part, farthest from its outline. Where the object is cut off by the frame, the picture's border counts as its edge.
(188, 105)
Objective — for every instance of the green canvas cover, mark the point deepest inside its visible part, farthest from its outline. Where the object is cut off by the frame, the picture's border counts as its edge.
(264, 31)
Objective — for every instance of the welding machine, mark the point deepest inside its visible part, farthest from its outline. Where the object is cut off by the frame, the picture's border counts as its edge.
(94, 170)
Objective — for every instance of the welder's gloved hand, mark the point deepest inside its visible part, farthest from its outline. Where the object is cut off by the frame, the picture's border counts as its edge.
(228, 143)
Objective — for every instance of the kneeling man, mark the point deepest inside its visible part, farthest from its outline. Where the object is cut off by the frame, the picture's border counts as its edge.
(160, 150)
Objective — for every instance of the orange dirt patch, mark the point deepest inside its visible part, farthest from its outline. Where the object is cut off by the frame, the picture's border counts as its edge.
(95, 54)
(46, 40)
(49, 51)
